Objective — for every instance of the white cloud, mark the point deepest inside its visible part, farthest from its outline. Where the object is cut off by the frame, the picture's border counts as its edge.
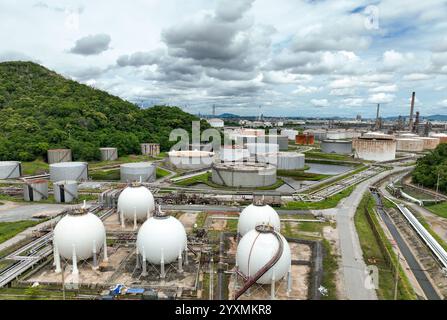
(319, 102)
(385, 88)
(393, 60)
(300, 90)
(381, 98)
(417, 77)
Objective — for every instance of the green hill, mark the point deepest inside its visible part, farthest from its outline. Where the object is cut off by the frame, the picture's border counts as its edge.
(428, 168)
(40, 109)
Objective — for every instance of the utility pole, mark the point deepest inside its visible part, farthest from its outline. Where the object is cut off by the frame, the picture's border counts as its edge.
(396, 275)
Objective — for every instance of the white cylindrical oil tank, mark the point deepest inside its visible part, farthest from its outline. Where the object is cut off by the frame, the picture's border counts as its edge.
(336, 135)
(136, 171)
(161, 239)
(35, 190)
(108, 154)
(430, 143)
(243, 174)
(136, 200)
(290, 133)
(77, 171)
(255, 215)
(336, 146)
(441, 136)
(191, 159)
(256, 248)
(59, 155)
(80, 231)
(256, 148)
(283, 160)
(65, 191)
(234, 154)
(375, 146)
(409, 144)
(403, 134)
(10, 169)
(281, 140)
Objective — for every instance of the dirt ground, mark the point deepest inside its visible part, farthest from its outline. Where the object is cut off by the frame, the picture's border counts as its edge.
(188, 220)
(331, 234)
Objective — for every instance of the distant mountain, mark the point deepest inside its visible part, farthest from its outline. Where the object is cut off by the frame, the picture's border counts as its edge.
(40, 109)
(437, 117)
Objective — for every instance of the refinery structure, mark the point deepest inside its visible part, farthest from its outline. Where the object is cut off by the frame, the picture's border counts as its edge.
(247, 220)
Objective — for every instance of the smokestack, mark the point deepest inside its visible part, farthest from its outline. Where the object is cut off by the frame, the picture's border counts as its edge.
(377, 117)
(411, 111)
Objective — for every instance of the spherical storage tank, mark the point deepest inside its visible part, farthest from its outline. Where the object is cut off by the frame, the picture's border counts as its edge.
(256, 248)
(136, 199)
(136, 171)
(255, 215)
(336, 146)
(161, 238)
(77, 171)
(82, 231)
(283, 160)
(191, 159)
(65, 191)
(10, 169)
(409, 144)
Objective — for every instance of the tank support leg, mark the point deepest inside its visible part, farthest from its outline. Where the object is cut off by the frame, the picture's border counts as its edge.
(137, 261)
(75, 263)
(95, 258)
(135, 219)
(104, 248)
(180, 262)
(272, 288)
(57, 259)
(123, 225)
(289, 281)
(144, 273)
(162, 265)
(186, 255)
(148, 215)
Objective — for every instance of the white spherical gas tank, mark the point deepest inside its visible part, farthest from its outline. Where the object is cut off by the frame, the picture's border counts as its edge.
(254, 215)
(84, 231)
(256, 249)
(136, 199)
(161, 237)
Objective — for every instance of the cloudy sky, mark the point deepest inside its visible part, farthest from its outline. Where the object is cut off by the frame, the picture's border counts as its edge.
(290, 57)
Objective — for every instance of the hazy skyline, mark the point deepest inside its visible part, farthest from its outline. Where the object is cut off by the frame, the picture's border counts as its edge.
(294, 58)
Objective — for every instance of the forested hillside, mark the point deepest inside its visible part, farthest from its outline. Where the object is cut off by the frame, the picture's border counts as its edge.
(428, 168)
(40, 109)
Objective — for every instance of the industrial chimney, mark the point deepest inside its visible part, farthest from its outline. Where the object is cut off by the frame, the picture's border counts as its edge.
(411, 112)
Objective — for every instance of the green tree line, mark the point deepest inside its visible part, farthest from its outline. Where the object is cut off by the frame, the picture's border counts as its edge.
(429, 166)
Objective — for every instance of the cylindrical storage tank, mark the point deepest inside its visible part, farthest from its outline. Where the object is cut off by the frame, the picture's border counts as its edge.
(150, 149)
(10, 169)
(161, 238)
(256, 148)
(59, 155)
(257, 248)
(77, 171)
(242, 139)
(430, 143)
(35, 190)
(281, 140)
(336, 146)
(65, 191)
(80, 231)
(244, 175)
(283, 160)
(136, 200)
(109, 154)
(375, 147)
(255, 215)
(191, 159)
(407, 135)
(234, 154)
(138, 171)
(319, 135)
(409, 144)
(290, 133)
(441, 136)
(336, 135)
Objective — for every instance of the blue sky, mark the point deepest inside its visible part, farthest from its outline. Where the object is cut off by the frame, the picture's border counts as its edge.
(291, 57)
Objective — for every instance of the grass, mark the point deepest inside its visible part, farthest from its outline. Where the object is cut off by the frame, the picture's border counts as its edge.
(205, 178)
(429, 229)
(374, 254)
(124, 159)
(10, 229)
(330, 267)
(107, 175)
(162, 173)
(35, 167)
(81, 198)
(328, 156)
(300, 175)
(330, 202)
(440, 209)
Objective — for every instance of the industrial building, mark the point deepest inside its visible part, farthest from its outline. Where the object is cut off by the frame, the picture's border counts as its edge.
(336, 146)
(375, 146)
(243, 174)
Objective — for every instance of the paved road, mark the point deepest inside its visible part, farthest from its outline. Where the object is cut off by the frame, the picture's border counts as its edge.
(353, 268)
(15, 211)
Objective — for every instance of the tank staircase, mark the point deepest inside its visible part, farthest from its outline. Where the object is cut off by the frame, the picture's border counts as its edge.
(252, 280)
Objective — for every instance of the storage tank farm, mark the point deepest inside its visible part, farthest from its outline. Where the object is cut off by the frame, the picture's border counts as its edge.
(135, 203)
(336, 146)
(79, 236)
(10, 169)
(283, 160)
(161, 240)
